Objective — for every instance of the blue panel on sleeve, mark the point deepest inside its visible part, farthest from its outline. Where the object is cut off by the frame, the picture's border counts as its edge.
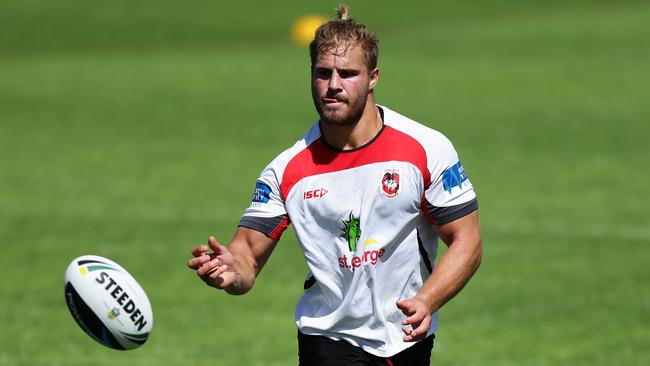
(262, 193)
(454, 176)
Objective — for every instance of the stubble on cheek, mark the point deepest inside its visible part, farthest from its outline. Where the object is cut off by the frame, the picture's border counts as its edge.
(347, 112)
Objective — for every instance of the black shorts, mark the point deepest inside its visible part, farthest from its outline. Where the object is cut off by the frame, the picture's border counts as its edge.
(322, 351)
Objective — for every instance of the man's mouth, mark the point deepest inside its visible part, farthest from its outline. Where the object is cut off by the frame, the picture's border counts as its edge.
(331, 101)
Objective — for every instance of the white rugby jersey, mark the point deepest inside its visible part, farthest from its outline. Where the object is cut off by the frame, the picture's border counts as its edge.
(363, 219)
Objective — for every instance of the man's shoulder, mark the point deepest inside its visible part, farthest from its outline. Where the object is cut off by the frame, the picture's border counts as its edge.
(428, 137)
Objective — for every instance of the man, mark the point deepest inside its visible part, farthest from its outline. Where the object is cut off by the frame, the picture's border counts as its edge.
(369, 192)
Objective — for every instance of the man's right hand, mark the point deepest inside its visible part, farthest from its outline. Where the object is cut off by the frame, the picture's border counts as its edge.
(215, 268)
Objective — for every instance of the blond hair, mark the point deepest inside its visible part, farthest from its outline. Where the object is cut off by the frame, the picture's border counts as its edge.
(346, 32)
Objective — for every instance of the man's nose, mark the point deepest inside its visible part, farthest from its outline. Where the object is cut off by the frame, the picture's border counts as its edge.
(335, 81)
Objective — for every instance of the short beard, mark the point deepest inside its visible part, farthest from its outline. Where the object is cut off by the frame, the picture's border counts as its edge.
(355, 111)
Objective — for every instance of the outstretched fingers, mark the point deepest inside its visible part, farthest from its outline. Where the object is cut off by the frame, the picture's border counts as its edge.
(208, 266)
(213, 263)
(200, 257)
(199, 250)
(216, 247)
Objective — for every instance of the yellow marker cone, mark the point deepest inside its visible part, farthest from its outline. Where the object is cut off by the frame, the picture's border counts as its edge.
(304, 28)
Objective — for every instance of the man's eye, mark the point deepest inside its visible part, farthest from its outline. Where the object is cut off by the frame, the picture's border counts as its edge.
(346, 74)
(323, 74)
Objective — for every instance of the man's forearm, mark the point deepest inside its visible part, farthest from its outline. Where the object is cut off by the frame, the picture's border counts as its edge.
(452, 272)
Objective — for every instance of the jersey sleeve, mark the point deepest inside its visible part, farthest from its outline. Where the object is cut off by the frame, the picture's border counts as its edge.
(450, 195)
(266, 213)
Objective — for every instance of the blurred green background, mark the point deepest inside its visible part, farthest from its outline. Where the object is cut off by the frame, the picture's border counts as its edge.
(135, 129)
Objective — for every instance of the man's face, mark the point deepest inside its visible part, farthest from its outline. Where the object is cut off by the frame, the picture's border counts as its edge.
(340, 84)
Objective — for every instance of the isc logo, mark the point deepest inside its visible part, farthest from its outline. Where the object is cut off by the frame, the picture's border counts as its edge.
(316, 193)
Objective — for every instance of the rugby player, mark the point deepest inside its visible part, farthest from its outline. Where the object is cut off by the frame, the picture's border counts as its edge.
(369, 192)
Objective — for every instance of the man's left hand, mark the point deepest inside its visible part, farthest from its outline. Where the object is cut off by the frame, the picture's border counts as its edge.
(418, 319)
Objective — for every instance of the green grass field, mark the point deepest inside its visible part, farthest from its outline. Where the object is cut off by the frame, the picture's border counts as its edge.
(133, 130)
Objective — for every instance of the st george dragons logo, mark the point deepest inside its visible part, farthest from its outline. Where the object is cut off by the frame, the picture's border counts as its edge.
(351, 231)
(390, 183)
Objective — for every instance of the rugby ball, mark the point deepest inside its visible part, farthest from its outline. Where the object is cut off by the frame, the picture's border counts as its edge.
(107, 302)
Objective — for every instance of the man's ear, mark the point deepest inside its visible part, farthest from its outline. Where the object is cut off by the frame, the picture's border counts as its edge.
(374, 78)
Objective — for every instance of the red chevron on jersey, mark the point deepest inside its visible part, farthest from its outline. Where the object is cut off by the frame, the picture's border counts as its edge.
(318, 158)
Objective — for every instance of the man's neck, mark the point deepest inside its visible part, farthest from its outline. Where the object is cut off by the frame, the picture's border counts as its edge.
(355, 135)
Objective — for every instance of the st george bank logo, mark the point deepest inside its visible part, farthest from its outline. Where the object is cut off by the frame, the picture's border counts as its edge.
(369, 257)
(351, 231)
